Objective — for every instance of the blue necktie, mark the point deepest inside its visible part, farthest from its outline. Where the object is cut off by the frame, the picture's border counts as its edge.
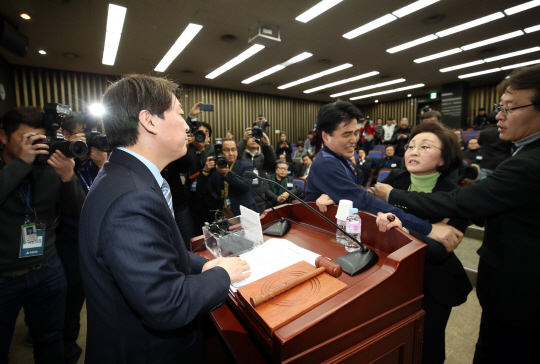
(166, 189)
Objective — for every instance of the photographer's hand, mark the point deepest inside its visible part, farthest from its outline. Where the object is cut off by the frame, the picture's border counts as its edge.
(223, 171)
(248, 134)
(196, 110)
(98, 157)
(78, 136)
(265, 139)
(62, 165)
(27, 152)
(210, 163)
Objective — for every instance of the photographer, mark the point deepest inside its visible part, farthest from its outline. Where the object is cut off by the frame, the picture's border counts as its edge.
(31, 274)
(260, 153)
(262, 123)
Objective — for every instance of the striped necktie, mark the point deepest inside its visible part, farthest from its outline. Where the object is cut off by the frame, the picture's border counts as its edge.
(166, 189)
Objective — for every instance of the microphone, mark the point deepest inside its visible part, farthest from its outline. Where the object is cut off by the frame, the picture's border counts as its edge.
(358, 261)
(281, 227)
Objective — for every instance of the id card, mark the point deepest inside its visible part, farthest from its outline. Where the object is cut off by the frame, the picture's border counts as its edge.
(228, 202)
(289, 185)
(194, 186)
(32, 240)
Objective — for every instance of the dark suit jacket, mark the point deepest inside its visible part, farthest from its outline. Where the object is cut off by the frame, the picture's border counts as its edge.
(144, 290)
(508, 200)
(393, 160)
(239, 192)
(444, 276)
(495, 150)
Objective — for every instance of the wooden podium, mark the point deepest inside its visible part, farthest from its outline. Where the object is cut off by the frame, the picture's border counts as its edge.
(377, 319)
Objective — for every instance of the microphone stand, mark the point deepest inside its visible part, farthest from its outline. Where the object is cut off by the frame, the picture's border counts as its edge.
(281, 227)
(351, 263)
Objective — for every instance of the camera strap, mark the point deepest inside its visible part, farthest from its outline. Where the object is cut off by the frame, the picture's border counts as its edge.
(88, 183)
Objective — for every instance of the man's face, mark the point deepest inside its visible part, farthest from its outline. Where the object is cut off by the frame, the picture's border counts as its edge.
(379, 121)
(173, 129)
(251, 143)
(300, 148)
(481, 112)
(458, 134)
(230, 151)
(519, 123)
(282, 158)
(307, 161)
(389, 122)
(310, 136)
(260, 118)
(11, 146)
(343, 139)
(404, 124)
(78, 129)
(282, 170)
(473, 144)
(362, 154)
(283, 137)
(389, 151)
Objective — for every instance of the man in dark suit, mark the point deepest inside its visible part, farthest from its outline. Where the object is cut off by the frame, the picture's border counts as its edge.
(262, 123)
(494, 149)
(507, 200)
(145, 291)
(389, 160)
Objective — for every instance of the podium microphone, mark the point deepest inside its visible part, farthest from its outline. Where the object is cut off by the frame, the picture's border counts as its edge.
(281, 227)
(362, 260)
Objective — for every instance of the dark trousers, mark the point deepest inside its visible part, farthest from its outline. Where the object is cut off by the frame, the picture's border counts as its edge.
(68, 251)
(500, 342)
(42, 293)
(367, 146)
(434, 346)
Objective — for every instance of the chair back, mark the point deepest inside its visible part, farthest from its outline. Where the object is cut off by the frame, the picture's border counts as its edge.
(383, 173)
(375, 154)
(380, 147)
(300, 182)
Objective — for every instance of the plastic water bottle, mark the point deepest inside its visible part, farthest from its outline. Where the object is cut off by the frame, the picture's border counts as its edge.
(354, 228)
(341, 238)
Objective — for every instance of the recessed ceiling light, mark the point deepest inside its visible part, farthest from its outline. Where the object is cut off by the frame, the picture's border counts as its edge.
(317, 10)
(471, 24)
(41, 51)
(315, 76)
(25, 16)
(254, 49)
(382, 84)
(520, 65)
(115, 23)
(412, 43)
(513, 54)
(438, 55)
(532, 29)
(370, 26)
(460, 66)
(347, 80)
(183, 40)
(420, 4)
(376, 101)
(522, 7)
(480, 73)
(409, 95)
(279, 67)
(500, 38)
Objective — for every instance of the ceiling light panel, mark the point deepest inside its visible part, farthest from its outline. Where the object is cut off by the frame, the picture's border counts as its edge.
(279, 67)
(463, 65)
(500, 38)
(115, 23)
(471, 24)
(413, 7)
(388, 91)
(297, 59)
(347, 80)
(315, 76)
(525, 6)
(532, 29)
(370, 26)
(438, 55)
(317, 10)
(183, 40)
(520, 65)
(412, 43)
(254, 49)
(480, 73)
(513, 54)
(369, 87)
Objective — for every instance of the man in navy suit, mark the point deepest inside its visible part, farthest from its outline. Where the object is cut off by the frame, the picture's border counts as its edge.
(145, 291)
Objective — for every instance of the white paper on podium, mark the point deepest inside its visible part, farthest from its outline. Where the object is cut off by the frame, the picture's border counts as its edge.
(272, 256)
(251, 223)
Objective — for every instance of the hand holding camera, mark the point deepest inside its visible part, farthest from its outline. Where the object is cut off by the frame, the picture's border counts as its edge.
(28, 150)
(62, 165)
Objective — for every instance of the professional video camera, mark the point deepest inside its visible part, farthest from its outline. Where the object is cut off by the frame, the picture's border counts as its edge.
(56, 141)
(94, 138)
(199, 135)
(221, 160)
(256, 132)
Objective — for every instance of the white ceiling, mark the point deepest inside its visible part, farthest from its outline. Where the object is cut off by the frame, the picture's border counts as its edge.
(151, 27)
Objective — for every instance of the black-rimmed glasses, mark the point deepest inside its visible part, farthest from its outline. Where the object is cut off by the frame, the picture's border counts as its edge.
(499, 108)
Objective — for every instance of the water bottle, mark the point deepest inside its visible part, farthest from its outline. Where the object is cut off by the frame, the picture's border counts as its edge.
(341, 238)
(354, 228)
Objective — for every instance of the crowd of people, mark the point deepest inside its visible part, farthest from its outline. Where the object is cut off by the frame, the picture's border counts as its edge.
(129, 246)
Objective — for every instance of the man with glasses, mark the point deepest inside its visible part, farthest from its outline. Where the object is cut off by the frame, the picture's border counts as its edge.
(508, 202)
(277, 195)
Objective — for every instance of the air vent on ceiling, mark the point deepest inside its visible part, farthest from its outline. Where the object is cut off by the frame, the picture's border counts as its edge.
(434, 19)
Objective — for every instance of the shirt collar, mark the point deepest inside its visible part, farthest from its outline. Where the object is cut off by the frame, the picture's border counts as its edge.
(151, 166)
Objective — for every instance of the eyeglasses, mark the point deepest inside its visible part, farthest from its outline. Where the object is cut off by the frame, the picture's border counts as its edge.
(423, 148)
(283, 168)
(505, 110)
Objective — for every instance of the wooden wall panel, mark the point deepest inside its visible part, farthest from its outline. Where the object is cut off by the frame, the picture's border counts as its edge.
(479, 97)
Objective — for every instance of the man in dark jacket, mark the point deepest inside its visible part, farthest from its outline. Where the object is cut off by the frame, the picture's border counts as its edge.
(277, 195)
(401, 137)
(389, 160)
(261, 155)
(495, 150)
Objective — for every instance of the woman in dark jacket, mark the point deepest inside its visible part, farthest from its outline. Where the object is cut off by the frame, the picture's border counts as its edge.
(284, 147)
(431, 154)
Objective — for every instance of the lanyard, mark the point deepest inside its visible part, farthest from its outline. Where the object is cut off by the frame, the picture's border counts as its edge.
(90, 181)
(26, 197)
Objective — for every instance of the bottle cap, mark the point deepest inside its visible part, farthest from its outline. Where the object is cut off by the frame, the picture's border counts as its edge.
(353, 211)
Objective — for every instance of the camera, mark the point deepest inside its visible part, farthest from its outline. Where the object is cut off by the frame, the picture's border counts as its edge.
(199, 135)
(52, 120)
(256, 132)
(94, 138)
(221, 160)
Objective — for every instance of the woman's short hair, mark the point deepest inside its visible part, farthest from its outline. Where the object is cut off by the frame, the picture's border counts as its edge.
(450, 151)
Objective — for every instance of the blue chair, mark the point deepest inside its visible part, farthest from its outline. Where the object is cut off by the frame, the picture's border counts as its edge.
(466, 162)
(302, 184)
(375, 154)
(355, 155)
(379, 147)
(383, 173)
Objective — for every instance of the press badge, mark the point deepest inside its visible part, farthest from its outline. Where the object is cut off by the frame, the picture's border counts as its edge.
(32, 240)
(479, 157)
(255, 180)
(194, 186)
(289, 185)
(393, 165)
(228, 202)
